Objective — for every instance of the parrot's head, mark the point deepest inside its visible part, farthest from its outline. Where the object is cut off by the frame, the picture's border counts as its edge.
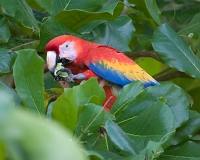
(64, 49)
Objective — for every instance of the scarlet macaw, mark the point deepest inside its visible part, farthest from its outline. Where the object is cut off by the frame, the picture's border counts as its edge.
(83, 59)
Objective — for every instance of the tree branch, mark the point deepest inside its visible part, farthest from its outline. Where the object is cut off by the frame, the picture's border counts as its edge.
(144, 54)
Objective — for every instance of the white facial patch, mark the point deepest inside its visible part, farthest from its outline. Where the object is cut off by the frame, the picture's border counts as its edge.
(66, 50)
(51, 59)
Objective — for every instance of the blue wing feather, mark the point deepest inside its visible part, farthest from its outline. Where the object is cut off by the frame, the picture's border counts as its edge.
(109, 74)
(115, 76)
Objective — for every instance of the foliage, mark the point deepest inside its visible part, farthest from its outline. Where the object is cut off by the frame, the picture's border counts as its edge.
(151, 123)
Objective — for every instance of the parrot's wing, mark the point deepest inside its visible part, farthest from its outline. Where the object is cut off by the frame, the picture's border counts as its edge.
(117, 68)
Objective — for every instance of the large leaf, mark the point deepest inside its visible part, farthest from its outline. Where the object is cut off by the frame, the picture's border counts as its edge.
(173, 51)
(153, 150)
(184, 13)
(140, 18)
(52, 28)
(120, 139)
(189, 129)
(192, 27)
(188, 150)
(167, 93)
(16, 43)
(149, 8)
(21, 12)
(7, 61)
(156, 123)
(65, 109)
(93, 155)
(117, 34)
(46, 4)
(89, 122)
(77, 18)
(91, 5)
(90, 92)
(106, 155)
(11, 92)
(4, 30)
(128, 93)
(25, 136)
(28, 74)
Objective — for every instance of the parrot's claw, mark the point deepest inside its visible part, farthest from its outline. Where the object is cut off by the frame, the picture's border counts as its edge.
(71, 77)
(65, 70)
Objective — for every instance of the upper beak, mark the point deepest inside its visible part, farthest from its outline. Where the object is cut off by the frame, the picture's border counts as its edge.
(52, 60)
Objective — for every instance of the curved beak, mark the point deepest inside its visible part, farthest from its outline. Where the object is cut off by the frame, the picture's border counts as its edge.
(52, 60)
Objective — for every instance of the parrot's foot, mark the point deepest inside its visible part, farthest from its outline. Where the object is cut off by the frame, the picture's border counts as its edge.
(79, 76)
(70, 78)
(59, 75)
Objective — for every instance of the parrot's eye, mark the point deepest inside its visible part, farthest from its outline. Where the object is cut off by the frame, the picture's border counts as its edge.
(66, 45)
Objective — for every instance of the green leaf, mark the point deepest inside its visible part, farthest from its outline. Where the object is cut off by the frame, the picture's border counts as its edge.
(27, 137)
(4, 30)
(91, 5)
(46, 4)
(11, 92)
(184, 13)
(77, 18)
(33, 5)
(112, 33)
(140, 18)
(127, 94)
(149, 8)
(89, 122)
(16, 43)
(3, 152)
(119, 138)
(188, 150)
(67, 106)
(150, 95)
(173, 51)
(94, 155)
(52, 28)
(192, 27)
(65, 109)
(153, 150)
(87, 28)
(189, 129)
(51, 94)
(156, 123)
(90, 92)
(145, 41)
(28, 74)
(21, 12)
(26, 45)
(7, 61)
